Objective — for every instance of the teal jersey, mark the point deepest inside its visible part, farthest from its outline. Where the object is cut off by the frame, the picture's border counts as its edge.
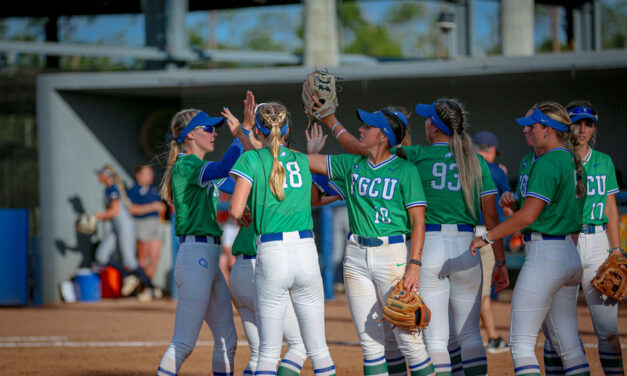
(245, 242)
(440, 181)
(269, 214)
(524, 170)
(553, 180)
(195, 202)
(377, 196)
(600, 182)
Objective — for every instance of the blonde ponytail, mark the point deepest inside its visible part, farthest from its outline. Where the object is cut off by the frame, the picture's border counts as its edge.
(273, 116)
(468, 168)
(177, 124)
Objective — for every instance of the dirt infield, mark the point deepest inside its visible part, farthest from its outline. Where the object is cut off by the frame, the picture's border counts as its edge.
(124, 337)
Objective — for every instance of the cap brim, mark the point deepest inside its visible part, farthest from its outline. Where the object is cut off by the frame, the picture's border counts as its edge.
(576, 118)
(424, 110)
(526, 121)
(214, 121)
(370, 118)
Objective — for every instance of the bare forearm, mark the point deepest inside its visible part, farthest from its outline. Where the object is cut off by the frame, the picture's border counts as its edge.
(611, 211)
(349, 142)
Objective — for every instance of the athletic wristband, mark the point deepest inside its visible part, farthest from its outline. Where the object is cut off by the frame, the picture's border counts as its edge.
(500, 263)
(414, 261)
(335, 125)
(339, 133)
(485, 238)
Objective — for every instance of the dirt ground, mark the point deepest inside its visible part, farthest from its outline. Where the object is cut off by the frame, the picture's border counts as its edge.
(125, 337)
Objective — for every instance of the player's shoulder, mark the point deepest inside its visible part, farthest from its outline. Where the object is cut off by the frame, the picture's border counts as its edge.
(134, 190)
(556, 158)
(601, 157)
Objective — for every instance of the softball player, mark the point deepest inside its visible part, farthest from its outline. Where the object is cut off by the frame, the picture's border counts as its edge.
(456, 182)
(599, 236)
(243, 294)
(550, 213)
(191, 185)
(278, 182)
(383, 205)
(396, 364)
(122, 232)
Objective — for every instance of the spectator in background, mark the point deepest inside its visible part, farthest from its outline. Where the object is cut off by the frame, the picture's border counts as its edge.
(229, 232)
(147, 210)
(122, 233)
(486, 145)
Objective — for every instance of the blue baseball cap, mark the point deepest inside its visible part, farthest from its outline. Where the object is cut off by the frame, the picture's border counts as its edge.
(582, 112)
(538, 116)
(429, 111)
(377, 119)
(486, 138)
(199, 120)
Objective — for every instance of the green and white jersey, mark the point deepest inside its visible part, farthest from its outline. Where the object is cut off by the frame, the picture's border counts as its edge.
(377, 196)
(600, 181)
(553, 180)
(440, 181)
(524, 170)
(195, 202)
(269, 214)
(245, 241)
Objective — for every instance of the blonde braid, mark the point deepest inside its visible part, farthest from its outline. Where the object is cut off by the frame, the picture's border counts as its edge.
(274, 116)
(452, 113)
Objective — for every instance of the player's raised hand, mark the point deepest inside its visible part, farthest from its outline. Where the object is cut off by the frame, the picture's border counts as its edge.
(500, 278)
(231, 121)
(249, 110)
(315, 139)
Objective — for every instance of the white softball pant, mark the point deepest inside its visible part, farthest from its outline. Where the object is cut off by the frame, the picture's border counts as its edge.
(285, 269)
(370, 273)
(202, 296)
(122, 233)
(450, 284)
(243, 294)
(546, 290)
(593, 252)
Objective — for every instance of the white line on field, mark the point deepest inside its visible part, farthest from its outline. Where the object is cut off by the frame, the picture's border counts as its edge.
(59, 341)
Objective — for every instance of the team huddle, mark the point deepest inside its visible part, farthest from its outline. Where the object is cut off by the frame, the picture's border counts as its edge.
(412, 213)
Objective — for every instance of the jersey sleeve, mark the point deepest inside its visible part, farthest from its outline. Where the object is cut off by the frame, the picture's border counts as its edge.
(193, 168)
(113, 193)
(488, 187)
(338, 165)
(413, 194)
(246, 166)
(543, 181)
(612, 184)
(339, 186)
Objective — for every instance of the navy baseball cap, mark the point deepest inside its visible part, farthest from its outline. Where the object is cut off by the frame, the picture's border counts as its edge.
(538, 116)
(582, 112)
(377, 119)
(199, 120)
(486, 138)
(429, 111)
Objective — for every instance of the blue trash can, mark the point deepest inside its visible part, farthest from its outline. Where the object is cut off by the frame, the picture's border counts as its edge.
(87, 285)
(14, 257)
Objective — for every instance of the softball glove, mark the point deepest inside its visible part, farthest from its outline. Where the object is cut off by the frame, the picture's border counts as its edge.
(406, 309)
(86, 224)
(320, 84)
(611, 279)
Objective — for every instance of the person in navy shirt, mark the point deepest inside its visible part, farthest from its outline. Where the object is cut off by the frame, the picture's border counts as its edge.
(486, 144)
(146, 208)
